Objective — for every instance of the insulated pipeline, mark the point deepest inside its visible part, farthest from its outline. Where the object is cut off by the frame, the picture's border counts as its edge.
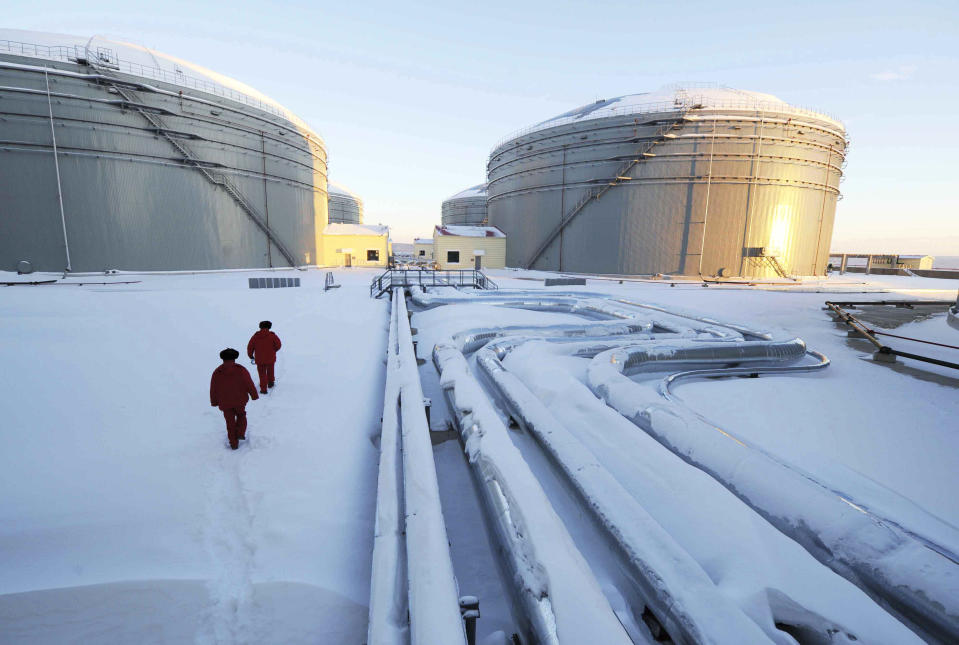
(582, 302)
(551, 582)
(854, 543)
(674, 588)
(858, 544)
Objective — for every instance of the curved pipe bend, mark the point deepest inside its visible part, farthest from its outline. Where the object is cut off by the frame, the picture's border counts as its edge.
(673, 586)
(572, 302)
(859, 545)
(632, 360)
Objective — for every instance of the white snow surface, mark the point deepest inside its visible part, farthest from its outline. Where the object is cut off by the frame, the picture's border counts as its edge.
(124, 515)
(334, 188)
(478, 190)
(675, 98)
(356, 229)
(857, 423)
(470, 231)
(140, 61)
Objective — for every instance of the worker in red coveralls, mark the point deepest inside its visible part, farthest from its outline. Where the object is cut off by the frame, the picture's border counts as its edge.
(230, 388)
(262, 348)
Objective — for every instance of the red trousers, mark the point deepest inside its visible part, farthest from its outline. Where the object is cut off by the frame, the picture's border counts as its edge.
(266, 375)
(235, 425)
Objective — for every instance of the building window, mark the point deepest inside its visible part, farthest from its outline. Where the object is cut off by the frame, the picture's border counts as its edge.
(453, 257)
(422, 252)
(372, 255)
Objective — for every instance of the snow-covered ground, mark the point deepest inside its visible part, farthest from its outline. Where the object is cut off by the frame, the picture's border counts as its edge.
(124, 516)
(886, 432)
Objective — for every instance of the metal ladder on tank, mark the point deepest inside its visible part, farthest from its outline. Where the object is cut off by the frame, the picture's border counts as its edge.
(773, 261)
(132, 101)
(665, 133)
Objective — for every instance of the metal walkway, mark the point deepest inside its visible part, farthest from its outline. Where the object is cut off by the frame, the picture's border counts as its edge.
(393, 278)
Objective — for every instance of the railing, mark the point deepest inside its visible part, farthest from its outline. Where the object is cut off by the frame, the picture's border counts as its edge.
(393, 278)
(102, 56)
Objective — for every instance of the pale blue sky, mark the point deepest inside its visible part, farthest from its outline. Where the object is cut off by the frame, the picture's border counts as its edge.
(410, 97)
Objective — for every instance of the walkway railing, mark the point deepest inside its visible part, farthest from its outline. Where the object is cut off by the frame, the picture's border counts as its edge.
(392, 278)
(106, 57)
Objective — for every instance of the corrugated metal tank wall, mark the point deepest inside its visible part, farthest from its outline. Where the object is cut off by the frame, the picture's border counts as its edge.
(131, 200)
(467, 208)
(345, 208)
(771, 181)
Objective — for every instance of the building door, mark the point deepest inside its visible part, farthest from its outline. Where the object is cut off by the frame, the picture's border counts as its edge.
(478, 262)
(347, 260)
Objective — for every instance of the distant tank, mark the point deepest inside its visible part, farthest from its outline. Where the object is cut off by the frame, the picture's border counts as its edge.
(345, 207)
(120, 157)
(466, 208)
(695, 181)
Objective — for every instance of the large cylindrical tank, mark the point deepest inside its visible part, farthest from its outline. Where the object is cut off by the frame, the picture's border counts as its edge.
(345, 207)
(159, 164)
(694, 181)
(466, 208)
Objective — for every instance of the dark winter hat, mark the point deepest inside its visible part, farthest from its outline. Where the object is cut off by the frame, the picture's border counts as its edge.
(229, 354)
(266, 324)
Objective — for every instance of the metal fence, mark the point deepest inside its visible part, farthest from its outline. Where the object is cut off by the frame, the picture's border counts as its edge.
(393, 278)
(107, 57)
(273, 283)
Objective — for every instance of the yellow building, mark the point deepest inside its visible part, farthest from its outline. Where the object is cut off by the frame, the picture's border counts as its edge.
(469, 247)
(356, 245)
(423, 249)
(914, 261)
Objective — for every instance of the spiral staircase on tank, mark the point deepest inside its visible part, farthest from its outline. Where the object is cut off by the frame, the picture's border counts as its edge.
(645, 152)
(132, 101)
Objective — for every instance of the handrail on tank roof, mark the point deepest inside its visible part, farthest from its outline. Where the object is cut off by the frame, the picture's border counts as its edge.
(70, 53)
(688, 102)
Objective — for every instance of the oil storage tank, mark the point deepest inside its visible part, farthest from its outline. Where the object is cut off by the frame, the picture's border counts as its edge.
(466, 208)
(687, 180)
(345, 207)
(115, 156)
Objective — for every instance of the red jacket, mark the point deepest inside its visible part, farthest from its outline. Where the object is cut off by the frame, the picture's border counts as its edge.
(230, 386)
(264, 345)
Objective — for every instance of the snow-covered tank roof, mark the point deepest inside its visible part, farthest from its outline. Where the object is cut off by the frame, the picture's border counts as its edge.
(423, 240)
(356, 229)
(340, 190)
(677, 98)
(138, 60)
(475, 191)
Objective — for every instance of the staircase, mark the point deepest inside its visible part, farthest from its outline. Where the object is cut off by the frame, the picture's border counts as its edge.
(663, 134)
(133, 102)
(773, 261)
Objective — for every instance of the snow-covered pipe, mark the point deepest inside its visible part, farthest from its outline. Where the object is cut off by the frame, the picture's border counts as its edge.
(918, 584)
(674, 587)
(433, 594)
(600, 306)
(669, 381)
(388, 621)
(424, 299)
(410, 533)
(471, 340)
(632, 360)
(560, 599)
